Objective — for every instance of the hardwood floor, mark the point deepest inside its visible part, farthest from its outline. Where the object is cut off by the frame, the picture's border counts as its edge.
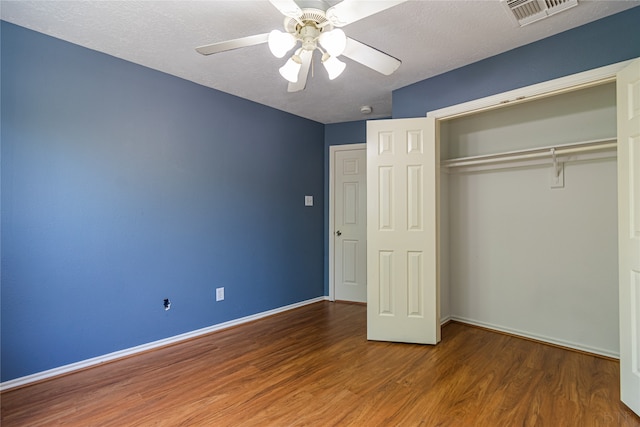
(313, 366)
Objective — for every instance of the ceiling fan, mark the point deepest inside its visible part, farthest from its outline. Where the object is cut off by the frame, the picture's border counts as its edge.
(317, 29)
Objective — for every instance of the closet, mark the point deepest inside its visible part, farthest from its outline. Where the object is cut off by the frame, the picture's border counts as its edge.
(529, 218)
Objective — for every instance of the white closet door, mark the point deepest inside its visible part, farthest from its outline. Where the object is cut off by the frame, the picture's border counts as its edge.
(628, 83)
(402, 231)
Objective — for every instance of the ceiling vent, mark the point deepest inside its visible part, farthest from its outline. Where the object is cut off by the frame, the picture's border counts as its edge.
(525, 12)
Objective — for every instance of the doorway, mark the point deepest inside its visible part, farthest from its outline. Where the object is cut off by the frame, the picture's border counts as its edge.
(348, 223)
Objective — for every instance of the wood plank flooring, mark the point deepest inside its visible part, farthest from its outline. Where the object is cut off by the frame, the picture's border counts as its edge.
(314, 367)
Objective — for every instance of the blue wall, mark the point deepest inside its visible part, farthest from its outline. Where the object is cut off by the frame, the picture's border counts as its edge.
(122, 186)
(606, 41)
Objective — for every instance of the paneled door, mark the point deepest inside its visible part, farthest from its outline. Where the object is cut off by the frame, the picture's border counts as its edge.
(350, 224)
(402, 231)
(628, 92)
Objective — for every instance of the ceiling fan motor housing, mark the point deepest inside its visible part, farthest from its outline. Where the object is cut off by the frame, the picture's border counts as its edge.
(308, 15)
(308, 27)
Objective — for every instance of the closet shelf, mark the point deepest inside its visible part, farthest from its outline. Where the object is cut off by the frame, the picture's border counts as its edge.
(533, 153)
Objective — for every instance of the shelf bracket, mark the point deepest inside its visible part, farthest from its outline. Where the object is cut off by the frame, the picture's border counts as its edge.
(555, 162)
(557, 175)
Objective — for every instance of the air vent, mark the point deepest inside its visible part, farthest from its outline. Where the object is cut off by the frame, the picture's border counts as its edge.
(525, 12)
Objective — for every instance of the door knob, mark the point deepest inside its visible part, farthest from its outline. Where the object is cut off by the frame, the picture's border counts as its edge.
(338, 233)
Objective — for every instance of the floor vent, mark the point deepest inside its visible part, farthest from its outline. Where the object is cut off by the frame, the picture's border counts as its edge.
(525, 12)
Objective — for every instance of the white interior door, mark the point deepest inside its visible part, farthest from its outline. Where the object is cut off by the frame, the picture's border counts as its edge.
(350, 225)
(628, 83)
(402, 231)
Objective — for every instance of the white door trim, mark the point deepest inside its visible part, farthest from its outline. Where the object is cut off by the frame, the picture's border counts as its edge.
(332, 180)
(528, 93)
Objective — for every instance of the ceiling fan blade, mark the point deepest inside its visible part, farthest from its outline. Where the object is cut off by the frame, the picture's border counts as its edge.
(287, 8)
(305, 56)
(348, 11)
(370, 57)
(233, 44)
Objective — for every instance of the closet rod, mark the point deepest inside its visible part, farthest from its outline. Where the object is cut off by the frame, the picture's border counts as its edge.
(581, 147)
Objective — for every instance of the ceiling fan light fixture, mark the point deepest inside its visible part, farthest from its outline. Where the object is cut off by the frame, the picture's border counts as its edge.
(291, 68)
(280, 43)
(334, 41)
(333, 65)
(317, 29)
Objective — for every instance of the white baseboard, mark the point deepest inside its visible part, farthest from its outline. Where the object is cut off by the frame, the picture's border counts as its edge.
(83, 364)
(543, 338)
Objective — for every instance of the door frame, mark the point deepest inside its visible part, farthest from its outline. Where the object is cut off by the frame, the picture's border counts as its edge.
(332, 181)
(553, 87)
(582, 80)
(596, 76)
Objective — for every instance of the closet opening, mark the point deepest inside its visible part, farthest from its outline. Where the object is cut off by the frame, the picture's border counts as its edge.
(528, 228)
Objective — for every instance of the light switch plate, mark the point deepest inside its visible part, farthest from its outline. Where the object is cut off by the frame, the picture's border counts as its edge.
(308, 200)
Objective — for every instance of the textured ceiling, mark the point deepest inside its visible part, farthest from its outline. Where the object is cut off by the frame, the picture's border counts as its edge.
(430, 37)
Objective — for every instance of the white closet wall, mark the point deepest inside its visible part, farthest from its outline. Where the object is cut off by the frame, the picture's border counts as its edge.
(521, 256)
(444, 253)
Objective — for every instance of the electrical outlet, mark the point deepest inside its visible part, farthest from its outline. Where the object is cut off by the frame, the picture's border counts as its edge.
(219, 294)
